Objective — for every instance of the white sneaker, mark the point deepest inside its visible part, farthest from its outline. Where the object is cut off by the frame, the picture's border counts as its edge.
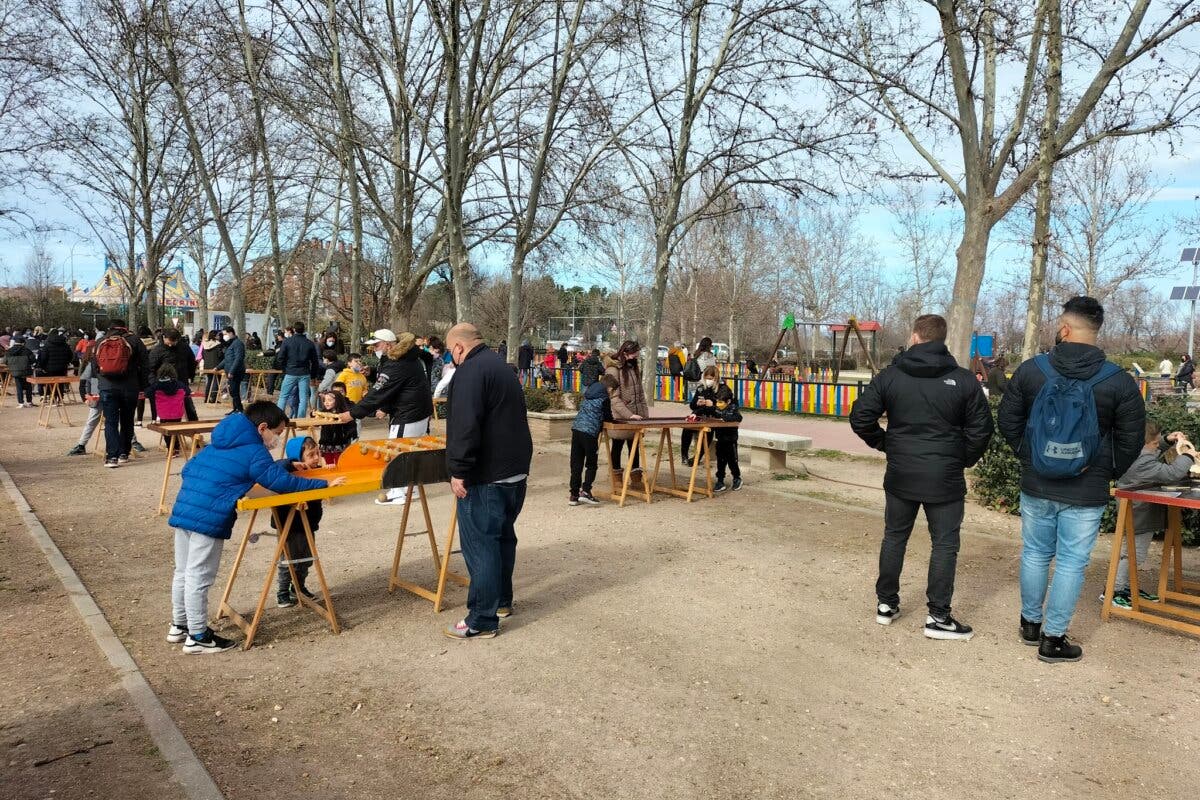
(176, 634)
(884, 614)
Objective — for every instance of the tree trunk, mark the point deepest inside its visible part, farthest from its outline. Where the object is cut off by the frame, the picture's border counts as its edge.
(971, 256)
(515, 303)
(1045, 177)
(662, 263)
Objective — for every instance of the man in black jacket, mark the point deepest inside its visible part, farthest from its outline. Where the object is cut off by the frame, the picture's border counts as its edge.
(1060, 518)
(488, 452)
(118, 396)
(938, 425)
(401, 392)
(171, 350)
(301, 365)
(525, 360)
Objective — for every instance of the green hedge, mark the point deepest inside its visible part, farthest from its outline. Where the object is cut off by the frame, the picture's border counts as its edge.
(997, 476)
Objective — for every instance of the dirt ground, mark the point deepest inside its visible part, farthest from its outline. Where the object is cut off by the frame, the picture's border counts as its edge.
(722, 649)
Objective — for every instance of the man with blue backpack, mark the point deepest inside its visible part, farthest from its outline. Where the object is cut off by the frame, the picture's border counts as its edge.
(1077, 422)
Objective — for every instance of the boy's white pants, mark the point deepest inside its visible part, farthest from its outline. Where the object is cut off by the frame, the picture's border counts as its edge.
(411, 429)
(197, 558)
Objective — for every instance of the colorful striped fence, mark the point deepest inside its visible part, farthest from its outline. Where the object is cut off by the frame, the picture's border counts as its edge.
(817, 398)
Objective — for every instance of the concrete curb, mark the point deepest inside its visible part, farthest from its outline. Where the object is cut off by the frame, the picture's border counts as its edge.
(186, 768)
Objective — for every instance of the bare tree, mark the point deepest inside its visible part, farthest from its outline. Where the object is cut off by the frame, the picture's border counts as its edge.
(43, 277)
(925, 76)
(924, 245)
(717, 122)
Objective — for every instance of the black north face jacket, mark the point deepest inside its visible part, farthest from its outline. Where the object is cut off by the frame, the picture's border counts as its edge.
(938, 423)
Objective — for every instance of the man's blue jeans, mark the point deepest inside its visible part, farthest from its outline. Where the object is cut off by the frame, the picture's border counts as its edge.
(1065, 534)
(298, 385)
(486, 518)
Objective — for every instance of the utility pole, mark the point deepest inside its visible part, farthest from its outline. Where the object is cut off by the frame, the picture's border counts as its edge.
(1190, 293)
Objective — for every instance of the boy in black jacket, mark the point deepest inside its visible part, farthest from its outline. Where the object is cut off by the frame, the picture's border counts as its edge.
(725, 409)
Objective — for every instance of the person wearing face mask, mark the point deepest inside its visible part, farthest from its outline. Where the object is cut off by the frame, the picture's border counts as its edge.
(401, 393)
(1060, 516)
(206, 508)
(628, 401)
(703, 404)
(354, 378)
(233, 363)
(330, 341)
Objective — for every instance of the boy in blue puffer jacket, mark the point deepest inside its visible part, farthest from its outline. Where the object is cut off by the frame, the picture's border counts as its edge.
(594, 411)
(238, 457)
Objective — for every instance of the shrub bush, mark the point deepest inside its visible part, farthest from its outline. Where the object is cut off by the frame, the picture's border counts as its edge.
(997, 476)
(539, 399)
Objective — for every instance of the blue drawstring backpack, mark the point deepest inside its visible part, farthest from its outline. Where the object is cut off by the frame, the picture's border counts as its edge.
(1062, 432)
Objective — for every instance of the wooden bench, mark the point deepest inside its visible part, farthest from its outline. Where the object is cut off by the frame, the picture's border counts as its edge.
(770, 450)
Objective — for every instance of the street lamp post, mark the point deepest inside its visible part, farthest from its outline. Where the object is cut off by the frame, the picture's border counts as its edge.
(1192, 254)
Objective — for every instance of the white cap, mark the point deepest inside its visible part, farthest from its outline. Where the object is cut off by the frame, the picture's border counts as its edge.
(381, 335)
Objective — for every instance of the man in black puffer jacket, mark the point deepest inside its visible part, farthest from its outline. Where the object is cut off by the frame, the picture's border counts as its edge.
(938, 425)
(54, 357)
(1060, 518)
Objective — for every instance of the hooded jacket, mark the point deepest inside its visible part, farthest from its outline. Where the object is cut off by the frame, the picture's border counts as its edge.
(18, 360)
(629, 398)
(221, 474)
(212, 352)
(1149, 471)
(401, 390)
(939, 423)
(590, 370)
(298, 356)
(524, 356)
(594, 410)
(1120, 412)
(137, 376)
(293, 452)
(55, 356)
(178, 356)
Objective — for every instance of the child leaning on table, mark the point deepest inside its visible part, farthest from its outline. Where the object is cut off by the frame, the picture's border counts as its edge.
(595, 409)
(300, 454)
(1149, 470)
(238, 457)
(726, 410)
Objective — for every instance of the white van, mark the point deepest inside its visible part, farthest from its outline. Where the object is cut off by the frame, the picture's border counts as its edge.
(720, 351)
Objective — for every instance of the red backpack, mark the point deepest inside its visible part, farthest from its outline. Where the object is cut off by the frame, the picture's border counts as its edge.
(113, 355)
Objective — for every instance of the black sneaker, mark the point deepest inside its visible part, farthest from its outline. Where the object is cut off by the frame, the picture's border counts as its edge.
(304, 591)
(737, 484)
(207, 643)
(285, 599)
(947, 629)
(884, 613)
(77, 450)
(137, 447)
(1031, 632)
(111, 463)
(1057, 649)
(688, 461)
(123, 458)
(586, 499)
(720, 487)
(573, 500)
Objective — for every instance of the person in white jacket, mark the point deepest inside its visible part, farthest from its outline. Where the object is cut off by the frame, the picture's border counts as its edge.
(1165, 368)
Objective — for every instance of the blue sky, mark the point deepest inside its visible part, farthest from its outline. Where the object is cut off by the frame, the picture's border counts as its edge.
(1178, 174)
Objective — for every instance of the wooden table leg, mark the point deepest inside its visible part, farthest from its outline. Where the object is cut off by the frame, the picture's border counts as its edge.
(224, 606)
(1118, 537)
(327, 612)
(280, 548)
(441, 561)
(4, 386)
(61, 405)
(639, 447)
(445, 571)
(43, 420)
(162, 495)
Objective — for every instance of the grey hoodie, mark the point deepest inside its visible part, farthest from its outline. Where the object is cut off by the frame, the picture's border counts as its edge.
(1147, 472)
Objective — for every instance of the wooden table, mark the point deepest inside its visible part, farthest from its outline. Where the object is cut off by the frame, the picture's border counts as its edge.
(1179, 597)
(5, 383)
(222, 383)
(650, 484)
(194, 431)
(366, 466)
(260, 381)
(53, 398)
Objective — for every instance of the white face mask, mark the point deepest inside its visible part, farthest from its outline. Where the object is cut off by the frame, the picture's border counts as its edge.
(331, 342)
(709, 382)
(228, 337)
